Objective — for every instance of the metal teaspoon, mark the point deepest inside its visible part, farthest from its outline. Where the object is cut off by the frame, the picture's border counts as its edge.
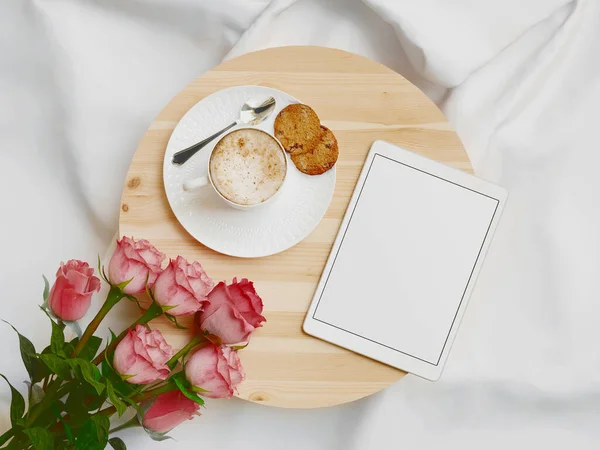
(249, 115)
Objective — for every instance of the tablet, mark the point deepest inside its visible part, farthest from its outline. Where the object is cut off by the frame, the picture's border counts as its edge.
(405, 260)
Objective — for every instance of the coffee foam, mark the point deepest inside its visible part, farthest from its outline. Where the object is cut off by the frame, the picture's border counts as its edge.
(247, 166)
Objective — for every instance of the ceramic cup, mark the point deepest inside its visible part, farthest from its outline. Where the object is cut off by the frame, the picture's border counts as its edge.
(207, 180)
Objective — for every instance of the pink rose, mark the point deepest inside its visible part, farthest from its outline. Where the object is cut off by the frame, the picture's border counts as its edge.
(215, 369)
(233, 312)
(137, 261)
(183, 286)
(142, 355)
(168, 411)
(71, 294)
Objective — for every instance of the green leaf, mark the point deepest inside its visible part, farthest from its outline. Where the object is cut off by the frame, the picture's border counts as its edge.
(69, 348)
(33, 365)
(47, 417)
(134, 299)
(74, 325)
(17, 405)
(36, 394)
(134, 405)
(103, 425)
(46, 288)
(117, 443)
(94, 434)
(47, 351)
(105, 276)
(115, 400)
(199, 390)
(75, 404)
(40, 438)
(90, 348)
(60, 418)
(183, 385)
(57, 365)
(89, 372)
(57, 341)
(157, 436)
(168, 307)
(113, 336)
(68, 432)
(121, 387)
(124, 284)
(174, 320)
(101, 271)
(18, 441)
(149, 292)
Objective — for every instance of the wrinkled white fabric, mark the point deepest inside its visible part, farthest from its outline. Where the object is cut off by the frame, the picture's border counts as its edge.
(80, 80)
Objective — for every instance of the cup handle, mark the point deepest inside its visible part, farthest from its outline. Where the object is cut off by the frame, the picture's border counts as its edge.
(196, 183)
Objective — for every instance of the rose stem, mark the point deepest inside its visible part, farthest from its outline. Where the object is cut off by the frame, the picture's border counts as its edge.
(196, 340)
(151, 313)
(114, 295)
(133, 422)
(143, 397)
(190, 345)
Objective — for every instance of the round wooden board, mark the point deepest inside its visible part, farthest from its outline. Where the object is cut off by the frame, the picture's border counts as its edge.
(360, 101)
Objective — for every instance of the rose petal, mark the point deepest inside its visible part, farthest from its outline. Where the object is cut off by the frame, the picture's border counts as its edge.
(141, 356)
(78, 280)
(182, 287)
(168, 411)
(243, 302)
(216, 298)
(71, 294)
(228, 324)
(138, 261)
(208, 368)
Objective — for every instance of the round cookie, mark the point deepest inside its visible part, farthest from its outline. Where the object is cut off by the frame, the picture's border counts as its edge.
(321, 157)
(297, 127)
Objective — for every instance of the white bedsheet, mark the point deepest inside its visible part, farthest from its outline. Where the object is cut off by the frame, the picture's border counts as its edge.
(80, 80)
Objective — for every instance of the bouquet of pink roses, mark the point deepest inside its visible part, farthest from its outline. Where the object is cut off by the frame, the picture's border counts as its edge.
(75, 387)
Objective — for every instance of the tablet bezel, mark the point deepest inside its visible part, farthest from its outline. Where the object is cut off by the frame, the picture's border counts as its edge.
(363, 345)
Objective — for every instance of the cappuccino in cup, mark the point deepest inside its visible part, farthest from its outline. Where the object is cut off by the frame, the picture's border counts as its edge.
(247, 167)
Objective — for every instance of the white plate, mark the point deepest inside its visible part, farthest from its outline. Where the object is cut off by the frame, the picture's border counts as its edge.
(261, 231)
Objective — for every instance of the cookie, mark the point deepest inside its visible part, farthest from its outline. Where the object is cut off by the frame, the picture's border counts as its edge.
(297, 127)
(321, 157)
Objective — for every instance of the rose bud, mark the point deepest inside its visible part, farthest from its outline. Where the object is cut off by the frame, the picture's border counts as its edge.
(169, 410)
(233, 312)
(71, 294)
(183, 287)
(138, 261)
(140, 358)
(215, 369)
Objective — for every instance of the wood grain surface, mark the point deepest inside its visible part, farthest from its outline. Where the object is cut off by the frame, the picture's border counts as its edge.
(360, 101)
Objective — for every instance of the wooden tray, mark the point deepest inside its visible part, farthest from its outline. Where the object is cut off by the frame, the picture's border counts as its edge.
(360, 101)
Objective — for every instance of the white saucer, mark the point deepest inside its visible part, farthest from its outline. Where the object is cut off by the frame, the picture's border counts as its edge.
(261, 231)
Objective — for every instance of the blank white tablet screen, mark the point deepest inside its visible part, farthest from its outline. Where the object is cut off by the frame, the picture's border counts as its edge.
(406, 258)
